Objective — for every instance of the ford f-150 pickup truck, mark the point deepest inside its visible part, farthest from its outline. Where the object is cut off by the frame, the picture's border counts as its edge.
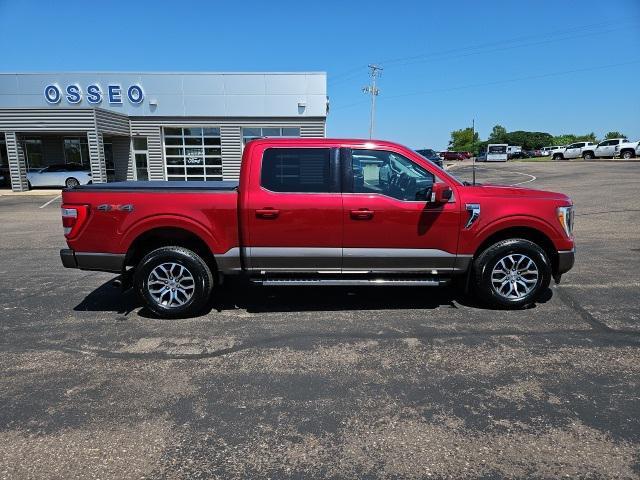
(320, 212)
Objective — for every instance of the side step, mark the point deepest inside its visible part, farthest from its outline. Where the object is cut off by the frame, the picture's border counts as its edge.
(398, 282)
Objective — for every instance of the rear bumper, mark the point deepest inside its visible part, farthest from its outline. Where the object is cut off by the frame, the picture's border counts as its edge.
(566, 259)
(103, 262)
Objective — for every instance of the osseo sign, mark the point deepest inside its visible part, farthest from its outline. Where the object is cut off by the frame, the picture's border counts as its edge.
(114, 94)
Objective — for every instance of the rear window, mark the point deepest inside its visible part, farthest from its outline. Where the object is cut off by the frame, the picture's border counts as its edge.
(296, 170)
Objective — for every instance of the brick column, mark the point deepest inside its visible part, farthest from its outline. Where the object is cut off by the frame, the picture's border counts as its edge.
(17, 163)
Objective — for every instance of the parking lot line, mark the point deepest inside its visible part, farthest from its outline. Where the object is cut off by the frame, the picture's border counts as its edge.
(50, 201)
(526, 181)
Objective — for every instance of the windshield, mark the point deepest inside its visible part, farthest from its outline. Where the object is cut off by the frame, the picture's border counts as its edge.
(497, 149)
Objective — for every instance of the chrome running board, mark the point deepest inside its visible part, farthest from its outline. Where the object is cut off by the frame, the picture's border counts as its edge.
(399, 282)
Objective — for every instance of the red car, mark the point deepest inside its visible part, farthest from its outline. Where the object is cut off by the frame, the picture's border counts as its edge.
(453, 155)
(320, 212)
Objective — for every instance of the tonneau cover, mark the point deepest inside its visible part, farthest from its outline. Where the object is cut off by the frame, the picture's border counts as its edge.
(212, 186)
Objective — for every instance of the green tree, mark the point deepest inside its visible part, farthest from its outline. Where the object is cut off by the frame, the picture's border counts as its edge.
(614, 134)
(498, 135)
(463, 140)
(529, 140)
(568, 138)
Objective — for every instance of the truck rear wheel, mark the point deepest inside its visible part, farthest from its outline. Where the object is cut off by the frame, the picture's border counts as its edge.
(557, 156)
(587, 156)
(173, 282)
(511, 273)
(627, 154)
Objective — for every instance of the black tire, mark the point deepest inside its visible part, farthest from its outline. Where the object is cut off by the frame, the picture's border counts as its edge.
(200, 288)
(557, 156)
(588, 156)
(71, 182)
(627, 154)
(484, 264)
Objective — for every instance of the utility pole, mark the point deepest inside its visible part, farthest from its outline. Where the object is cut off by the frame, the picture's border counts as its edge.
(473, 147)
(372, 90)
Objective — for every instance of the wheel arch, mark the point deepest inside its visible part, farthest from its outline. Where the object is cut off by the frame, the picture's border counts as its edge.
(532, 234)
(165, 236)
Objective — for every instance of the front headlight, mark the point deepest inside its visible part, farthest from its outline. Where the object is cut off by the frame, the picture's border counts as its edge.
(565, 217)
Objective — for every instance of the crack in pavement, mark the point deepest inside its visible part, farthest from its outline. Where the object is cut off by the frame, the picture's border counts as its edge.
(573, 304)
(616, 336)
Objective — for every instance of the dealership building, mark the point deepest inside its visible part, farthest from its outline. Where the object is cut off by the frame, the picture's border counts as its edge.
(150, 126)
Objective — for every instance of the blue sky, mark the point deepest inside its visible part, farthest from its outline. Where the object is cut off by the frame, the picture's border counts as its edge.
(555, 66)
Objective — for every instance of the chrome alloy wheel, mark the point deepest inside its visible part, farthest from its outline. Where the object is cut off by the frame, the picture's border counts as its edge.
(514, 276)
(171, 285)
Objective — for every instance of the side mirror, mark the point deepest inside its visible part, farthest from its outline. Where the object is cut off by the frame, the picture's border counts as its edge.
(440, 193)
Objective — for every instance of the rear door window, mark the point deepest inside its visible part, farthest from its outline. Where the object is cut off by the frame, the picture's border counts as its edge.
(297, 170)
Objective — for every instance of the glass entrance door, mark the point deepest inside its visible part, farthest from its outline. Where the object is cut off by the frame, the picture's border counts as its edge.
(140, 158)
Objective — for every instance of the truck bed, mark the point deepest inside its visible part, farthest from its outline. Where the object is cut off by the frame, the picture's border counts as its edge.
(125, 210)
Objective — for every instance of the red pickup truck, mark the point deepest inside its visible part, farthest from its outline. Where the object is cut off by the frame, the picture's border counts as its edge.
(320, 212)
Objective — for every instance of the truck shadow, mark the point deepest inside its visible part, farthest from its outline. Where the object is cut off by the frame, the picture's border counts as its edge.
(239, 294)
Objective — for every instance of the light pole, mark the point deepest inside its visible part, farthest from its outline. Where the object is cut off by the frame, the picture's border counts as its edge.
(376, 71)
(473, 147)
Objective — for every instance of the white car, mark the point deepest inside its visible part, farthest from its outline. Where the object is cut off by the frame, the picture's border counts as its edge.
(606, 148)
(627, 150)
(63, 175)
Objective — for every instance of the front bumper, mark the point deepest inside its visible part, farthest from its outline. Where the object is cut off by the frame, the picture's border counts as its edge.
(103, 262)
(566, 259)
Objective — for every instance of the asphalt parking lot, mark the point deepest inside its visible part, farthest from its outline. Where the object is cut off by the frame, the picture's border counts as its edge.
(328, 382)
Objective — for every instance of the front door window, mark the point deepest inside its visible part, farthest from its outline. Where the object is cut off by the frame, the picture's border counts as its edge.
(390, 174)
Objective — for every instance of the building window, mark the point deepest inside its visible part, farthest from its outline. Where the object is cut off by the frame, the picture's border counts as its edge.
(76, 150)
(249, 133)
(4, 158)
(193, 153)
(33, 153)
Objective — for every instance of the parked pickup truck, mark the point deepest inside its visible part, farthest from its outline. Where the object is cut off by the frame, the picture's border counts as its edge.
(575, 150)
(606, 148)
(315, 212)
(627, 150)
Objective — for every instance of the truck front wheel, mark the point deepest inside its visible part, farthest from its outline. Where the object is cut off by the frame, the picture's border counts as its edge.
(511, 273)
(173, 282)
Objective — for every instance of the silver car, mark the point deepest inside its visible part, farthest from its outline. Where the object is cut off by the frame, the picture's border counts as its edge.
(63, 175)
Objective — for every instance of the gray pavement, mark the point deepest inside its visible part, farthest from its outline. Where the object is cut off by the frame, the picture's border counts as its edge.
(328, 382)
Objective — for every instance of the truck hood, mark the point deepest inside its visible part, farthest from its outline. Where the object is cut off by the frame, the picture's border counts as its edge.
(504, 191)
